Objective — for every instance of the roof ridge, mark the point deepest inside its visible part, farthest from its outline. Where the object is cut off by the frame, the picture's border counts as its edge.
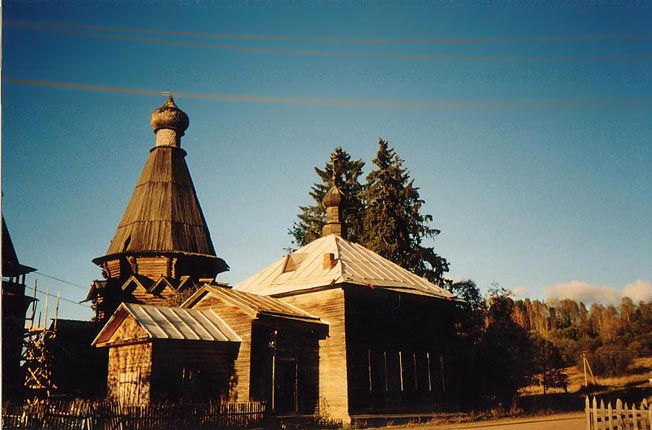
(339, 254)
(358, 265)
(231, 300)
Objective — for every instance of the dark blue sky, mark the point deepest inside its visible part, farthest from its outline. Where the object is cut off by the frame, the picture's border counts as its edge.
(530, 189)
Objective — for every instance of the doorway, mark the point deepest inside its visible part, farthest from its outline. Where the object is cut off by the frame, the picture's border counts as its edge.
(285, 380)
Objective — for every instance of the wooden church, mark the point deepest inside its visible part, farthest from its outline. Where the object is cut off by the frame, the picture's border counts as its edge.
(386, 351)
(332, 328)
(162, 245)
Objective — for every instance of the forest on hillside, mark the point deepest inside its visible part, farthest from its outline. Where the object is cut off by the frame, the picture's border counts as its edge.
(506, 344)
(610, 336)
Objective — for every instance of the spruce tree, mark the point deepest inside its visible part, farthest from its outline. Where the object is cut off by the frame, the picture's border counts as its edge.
(313, 217)
(393, 225)
(383, 215)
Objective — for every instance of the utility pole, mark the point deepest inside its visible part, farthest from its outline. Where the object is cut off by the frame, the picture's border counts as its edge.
(586, 381)
(585, 361)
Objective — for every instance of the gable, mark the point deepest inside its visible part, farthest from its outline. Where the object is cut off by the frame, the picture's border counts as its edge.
(240, 309)
(128, 330)
(163, 287)
(253, 305)
(211, 301)
(136, 285)
(238, 319)
(121, 328)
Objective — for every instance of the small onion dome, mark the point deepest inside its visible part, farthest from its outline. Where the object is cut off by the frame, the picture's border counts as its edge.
(333, 197)
(169, 116)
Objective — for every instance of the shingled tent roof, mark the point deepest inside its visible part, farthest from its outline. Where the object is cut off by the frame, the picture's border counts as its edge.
(163, 215)
(304, 270)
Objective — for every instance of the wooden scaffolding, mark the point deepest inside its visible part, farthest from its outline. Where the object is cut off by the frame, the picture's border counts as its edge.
(36, 356)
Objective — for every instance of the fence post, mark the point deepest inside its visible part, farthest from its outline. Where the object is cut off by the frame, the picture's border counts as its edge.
(644, 422)
(610, 414)
(602, 410)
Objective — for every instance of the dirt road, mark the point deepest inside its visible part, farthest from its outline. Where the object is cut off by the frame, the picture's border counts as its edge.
(570, 421)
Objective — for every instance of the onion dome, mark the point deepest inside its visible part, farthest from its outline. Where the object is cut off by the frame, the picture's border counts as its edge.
(332, 201)
(169, 116)
(333, 197)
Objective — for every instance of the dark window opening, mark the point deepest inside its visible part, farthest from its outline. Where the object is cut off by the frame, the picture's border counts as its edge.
(126, 244)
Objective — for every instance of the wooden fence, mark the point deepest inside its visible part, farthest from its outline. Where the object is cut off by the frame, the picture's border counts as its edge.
(92, 415)
(620, 417)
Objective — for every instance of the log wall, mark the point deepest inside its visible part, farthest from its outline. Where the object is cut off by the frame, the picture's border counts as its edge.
(397, 347)
(240, 322)
(153, 267)
(333, 393)
(129, 373)
(291, 345)
(192, 370)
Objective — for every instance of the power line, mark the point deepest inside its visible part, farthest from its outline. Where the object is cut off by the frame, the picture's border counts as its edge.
(443, 104)
(61, 280)
(540, 58)
(336, 39)
(62, 298)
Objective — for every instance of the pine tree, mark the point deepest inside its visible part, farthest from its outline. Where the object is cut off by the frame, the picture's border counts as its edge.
(394, 226)
(312, 218)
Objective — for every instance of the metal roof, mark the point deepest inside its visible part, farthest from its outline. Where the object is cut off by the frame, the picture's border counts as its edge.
(170, 323)
(354, 264)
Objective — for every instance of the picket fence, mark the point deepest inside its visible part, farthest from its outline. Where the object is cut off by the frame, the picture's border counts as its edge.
(93, 415)
(620, 417)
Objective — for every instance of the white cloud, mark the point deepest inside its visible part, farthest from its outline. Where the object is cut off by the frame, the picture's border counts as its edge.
(521, 292)
(583, 292)
(639, 291)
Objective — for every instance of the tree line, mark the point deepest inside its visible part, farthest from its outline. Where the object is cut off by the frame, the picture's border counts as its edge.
(500, 344)
(507, 344)
(610, 335)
